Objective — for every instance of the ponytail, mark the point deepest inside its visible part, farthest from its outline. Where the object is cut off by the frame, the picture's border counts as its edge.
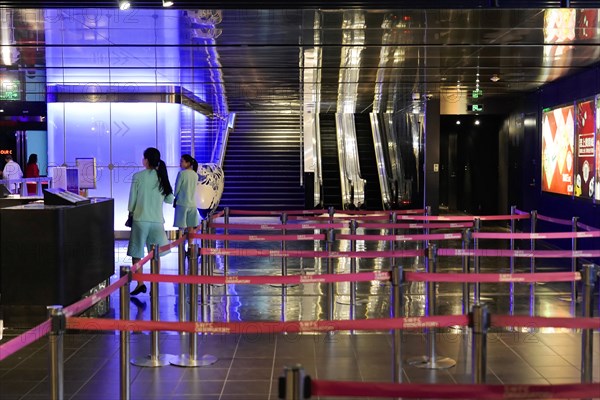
(163, 178)
(152, 155)
(189, 159)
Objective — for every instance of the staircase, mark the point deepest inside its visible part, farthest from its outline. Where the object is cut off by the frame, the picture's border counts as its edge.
(262, 163)
(331, 195)
(368, 162)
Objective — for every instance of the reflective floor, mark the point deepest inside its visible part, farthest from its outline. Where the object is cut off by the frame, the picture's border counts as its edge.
(248, 365)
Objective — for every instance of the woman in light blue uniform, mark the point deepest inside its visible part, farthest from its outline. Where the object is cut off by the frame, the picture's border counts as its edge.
(149, 190)
(186, 213)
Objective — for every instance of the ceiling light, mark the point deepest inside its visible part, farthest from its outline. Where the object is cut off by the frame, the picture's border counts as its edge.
(476, 122)
(124, 5)
(458, 122)
(495, 78)
(167, 3)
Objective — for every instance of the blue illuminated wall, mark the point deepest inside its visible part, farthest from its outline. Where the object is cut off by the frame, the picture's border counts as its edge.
(87, 49)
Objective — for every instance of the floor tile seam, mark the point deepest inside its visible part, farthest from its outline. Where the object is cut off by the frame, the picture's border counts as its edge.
(91, 377)
(230, 366)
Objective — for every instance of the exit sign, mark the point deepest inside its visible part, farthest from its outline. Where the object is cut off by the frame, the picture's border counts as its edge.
(476, 107)
(477, 93)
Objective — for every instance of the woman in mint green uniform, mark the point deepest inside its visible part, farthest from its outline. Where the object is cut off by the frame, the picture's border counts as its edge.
(149, 190)
(186, 213)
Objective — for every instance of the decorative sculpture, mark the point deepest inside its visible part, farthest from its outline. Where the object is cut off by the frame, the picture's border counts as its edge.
(209, 188)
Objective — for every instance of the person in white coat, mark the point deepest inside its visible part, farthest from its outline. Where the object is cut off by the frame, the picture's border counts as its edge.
(12, 170)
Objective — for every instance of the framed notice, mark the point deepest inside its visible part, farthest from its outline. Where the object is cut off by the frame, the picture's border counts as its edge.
(585, 130)
(558, 135)
(87, 172)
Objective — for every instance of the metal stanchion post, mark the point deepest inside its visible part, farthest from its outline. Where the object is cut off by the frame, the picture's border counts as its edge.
(284, 219)
(181, 306)
(154, 359)
(511, 290)
(353, 261)
(294, 387)
(204, 299)
(480, 322)
(56, 351)
(431, 360)
(397, 312)
(589, 277)
(532, 264)
(190, 359)
(466, 269)
(124, 335)
(574, 267)
(330, 270)
(226, 244)
(393, 217)
(476, 265)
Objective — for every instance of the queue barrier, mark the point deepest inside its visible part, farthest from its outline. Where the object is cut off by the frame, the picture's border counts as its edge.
(61, 319)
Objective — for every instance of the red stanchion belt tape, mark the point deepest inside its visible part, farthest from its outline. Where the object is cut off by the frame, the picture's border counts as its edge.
(587, 227)
(309, 253)
(265, 279)
(544, 322)
(433, 236)
(135, 267)
(289, 227)
(25, 339)
(520, 212)
(460, 217)
(519, 253)
(289, 212)
(84, 304)
(455, 391)
(432, 225)
(384, 324)
(341, 217)
(525, 278)
(554, 220)
(258, 238)
(548, 235)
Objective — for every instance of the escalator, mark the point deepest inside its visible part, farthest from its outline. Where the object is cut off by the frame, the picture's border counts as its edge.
(331, 195)
(368, 162)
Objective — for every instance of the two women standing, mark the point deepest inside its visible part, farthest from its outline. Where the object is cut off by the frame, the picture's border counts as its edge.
(151, 188)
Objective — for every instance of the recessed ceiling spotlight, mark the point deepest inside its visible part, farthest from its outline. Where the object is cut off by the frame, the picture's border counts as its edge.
(167, 3)
(495, 78)
(476, 122)
(124, 5)
(458, 122)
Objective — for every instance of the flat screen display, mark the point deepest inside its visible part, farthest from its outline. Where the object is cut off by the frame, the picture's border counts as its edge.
(585, 130)
(597, 177)
(558, 135)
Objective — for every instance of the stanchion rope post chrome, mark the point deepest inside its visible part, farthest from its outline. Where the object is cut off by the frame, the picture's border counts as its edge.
(466, 268)
(155, 359)
(181, 306)
(124, 335)
(56, 351)
(511, 290)
(353, 261)
(393, 218)
(294, 384)
(204, 292)
(329, 241)
(432, 360)
(480, 323)
(476, 262)
(226, 261)
(191, 359)
(533, 222)
(284, 220)
(397, 311)
(589, 275)
(574, 267)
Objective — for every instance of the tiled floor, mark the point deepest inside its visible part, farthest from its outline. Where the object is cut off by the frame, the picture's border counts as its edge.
(248, 365)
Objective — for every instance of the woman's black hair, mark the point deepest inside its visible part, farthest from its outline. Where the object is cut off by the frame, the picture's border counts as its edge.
(152, 155)
(32, 159)
(191, 160)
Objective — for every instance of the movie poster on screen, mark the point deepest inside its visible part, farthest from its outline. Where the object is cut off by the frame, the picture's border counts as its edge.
(597, 155)
(584, 161)
(558, 135)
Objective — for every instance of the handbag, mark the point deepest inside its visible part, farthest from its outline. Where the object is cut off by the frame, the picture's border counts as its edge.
(129, 221)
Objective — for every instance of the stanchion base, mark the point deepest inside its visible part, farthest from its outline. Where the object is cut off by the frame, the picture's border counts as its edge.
(436, 363)
(148, 361)
(184, 360)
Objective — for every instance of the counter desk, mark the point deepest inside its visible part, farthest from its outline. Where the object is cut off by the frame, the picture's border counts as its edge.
(52, 255)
